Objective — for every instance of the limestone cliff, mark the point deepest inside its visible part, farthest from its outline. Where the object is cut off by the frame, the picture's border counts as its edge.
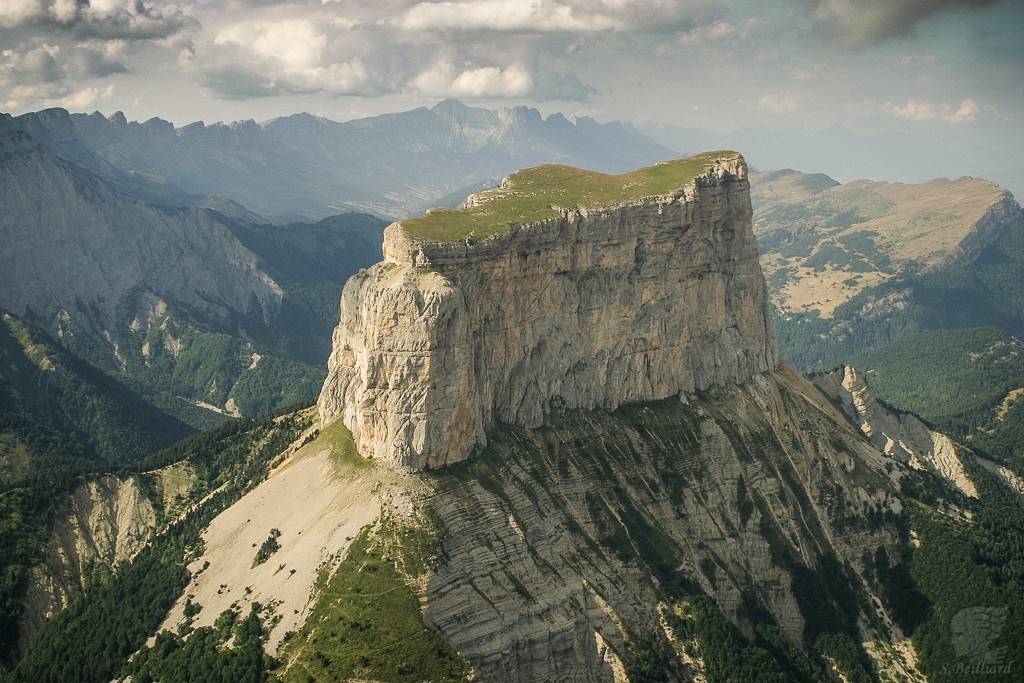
(562, 542)
(598, 305)
(902, 436)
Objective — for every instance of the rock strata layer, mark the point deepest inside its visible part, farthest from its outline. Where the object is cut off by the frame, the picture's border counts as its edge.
(594, 308)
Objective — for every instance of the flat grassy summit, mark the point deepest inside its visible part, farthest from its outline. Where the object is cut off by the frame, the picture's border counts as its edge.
(538, 193)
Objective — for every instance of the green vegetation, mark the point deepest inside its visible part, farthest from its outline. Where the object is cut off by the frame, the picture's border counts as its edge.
(957, 379)
(854, 252)
(530, 195)
(28, 503)
(269, 547)
(343, 447)
(275, 383)
(367, 623)
(176, 360)
(982, 293)
(965, 381)
(205, 655)
(42, 383)
(729, 656)
(614, 518)
(972, 576)
(92, 638)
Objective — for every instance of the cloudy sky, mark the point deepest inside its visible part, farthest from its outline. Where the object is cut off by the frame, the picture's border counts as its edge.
(950, 68)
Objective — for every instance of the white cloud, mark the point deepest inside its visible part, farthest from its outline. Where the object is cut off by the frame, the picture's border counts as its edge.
(866, 21)
(33, 65)
(967, 113)
(442, 80)
(295, 44)
(916, 110)
(504, 15)
(86, 98)
(19, 12)
(255, 58)
(719, 30)
(128, 19)
(779, 104)
(47, 76)
(924, 110)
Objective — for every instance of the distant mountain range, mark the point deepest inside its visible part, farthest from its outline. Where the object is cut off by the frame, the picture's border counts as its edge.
(848, 156)
(854, 266)
(199, 311)
(304, 167)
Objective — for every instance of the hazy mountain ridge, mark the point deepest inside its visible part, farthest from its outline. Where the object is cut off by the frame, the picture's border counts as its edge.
(112, 252)
(182, 302)
(310, 167)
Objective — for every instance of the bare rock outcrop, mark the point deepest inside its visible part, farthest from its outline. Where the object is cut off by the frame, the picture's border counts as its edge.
(560, 547)
(105, 522)
(595, 307)
(902, 436)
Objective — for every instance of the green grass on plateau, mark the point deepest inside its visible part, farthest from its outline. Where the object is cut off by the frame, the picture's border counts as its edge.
(532, 194)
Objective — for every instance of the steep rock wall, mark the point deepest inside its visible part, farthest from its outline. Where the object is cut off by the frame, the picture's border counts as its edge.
(76, 250)
(592, 309)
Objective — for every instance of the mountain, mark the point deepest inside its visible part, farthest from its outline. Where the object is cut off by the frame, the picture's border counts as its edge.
(975, 394)
(912, 284)
(118, 258)
(188, 305)
(304, 167)
(557, 441)
(587, 528)
(854, 266)
(600, 307)
(69, 534)
(43, 387)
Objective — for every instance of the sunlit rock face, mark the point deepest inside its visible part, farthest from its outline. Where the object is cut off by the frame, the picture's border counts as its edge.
(593, 308)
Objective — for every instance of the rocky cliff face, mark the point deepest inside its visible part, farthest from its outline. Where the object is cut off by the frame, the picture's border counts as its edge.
(901, 436)
(563, 541)
(596, 307)
(104, 523)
